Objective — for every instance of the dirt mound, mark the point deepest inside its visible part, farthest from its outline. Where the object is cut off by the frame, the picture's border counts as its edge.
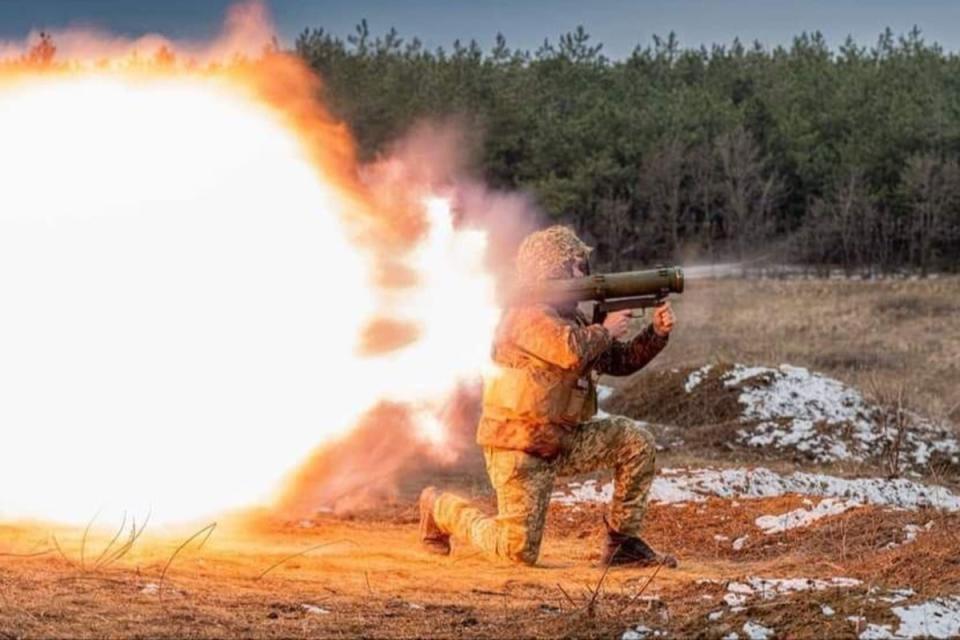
(873, 562)
(785, 412)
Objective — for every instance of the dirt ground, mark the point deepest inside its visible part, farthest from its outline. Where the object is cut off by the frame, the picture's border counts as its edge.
(363, 575)
(372, 580)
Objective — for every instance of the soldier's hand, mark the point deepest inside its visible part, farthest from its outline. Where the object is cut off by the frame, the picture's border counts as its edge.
(618, 323)
(663, 320)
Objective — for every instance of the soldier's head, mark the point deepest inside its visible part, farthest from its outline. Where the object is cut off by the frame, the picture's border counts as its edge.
(552, 253)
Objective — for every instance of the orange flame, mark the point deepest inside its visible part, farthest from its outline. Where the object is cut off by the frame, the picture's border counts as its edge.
(202, 287)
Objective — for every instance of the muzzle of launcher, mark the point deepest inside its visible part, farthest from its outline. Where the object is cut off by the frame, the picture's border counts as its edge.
(610, 291)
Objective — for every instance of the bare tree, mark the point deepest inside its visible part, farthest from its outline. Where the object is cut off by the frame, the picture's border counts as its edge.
(813, 242)
(750, 191)
(932, 191)
(663, 184)
(704, 193)
(844, 226)
(614, 227)
(886, 236)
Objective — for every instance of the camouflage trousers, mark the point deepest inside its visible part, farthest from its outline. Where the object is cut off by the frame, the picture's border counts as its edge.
(524, 484)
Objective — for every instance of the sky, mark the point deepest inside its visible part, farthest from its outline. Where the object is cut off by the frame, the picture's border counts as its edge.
(618, 24)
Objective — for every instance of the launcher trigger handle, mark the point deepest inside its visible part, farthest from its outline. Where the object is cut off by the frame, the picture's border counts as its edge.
(600, 312)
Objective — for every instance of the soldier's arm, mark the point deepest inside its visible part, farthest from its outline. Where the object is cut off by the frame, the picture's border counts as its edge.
(540, 331)
(624, 358)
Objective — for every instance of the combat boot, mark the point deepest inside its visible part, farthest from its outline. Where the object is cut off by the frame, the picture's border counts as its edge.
(432, 536)
(620, 549)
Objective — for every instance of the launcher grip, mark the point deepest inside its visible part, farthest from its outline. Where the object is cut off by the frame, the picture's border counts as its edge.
(604, 307)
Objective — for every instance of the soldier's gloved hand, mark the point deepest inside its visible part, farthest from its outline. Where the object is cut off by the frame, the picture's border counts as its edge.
(663, 320)
(618, 323)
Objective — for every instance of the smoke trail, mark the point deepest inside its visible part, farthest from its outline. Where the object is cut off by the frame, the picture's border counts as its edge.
(368, 465)
(717, 270)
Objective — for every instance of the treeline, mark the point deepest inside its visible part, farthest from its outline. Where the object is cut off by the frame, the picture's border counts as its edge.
(845, 157)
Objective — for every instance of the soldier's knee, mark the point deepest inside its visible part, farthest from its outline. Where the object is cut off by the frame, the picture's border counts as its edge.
(635, 434)
(637, 444)
(645, 438)
(519, 544)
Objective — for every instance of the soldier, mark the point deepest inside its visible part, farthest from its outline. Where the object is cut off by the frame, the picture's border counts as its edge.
(539, 420)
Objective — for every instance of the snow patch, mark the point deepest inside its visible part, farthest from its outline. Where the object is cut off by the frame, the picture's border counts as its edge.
(756, 631)
(873, 631)
(641, 632)
(792, 408)
(695, 378)
(898, 595)
(768, 588)
(738, 593)
(681, 486)
(313, 609)
(740, 373)
(587, 491)
(804, 517)
(604, 392)
(937, 618)
(695, 485)
(911, 531)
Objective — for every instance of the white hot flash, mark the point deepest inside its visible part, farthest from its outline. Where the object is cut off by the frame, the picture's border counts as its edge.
(180, 302)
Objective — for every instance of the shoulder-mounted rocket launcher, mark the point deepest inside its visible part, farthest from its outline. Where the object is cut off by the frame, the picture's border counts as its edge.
(610, 291)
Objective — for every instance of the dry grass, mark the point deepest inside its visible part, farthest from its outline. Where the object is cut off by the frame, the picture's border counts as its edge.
(382, 585)
(875, 335)
(254, 581)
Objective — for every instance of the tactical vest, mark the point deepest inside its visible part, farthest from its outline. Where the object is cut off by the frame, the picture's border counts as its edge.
(529, 389)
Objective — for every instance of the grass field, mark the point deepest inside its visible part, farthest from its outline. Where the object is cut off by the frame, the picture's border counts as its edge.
(881, 336)
(270, 577)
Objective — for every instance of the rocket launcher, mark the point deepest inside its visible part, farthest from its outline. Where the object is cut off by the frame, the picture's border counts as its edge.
(610, 291)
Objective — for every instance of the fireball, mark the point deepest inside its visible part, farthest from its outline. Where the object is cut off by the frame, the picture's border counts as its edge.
(190, 265)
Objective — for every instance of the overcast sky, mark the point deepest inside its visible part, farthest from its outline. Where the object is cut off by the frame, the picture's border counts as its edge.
(619, 24)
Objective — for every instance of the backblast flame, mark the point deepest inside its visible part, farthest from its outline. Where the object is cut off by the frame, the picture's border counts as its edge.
(188, 265)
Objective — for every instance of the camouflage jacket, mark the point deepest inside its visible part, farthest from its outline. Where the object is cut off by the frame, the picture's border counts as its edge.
(549, 360)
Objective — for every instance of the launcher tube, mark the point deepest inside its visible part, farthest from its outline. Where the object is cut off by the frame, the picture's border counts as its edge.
(656, 283)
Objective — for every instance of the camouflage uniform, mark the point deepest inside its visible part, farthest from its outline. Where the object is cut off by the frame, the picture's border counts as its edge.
(539, 414)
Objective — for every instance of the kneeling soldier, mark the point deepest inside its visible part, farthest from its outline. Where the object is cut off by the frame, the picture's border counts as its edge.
(539, 419)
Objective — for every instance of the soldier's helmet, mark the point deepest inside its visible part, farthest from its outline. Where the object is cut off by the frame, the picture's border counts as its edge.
(550, 254)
